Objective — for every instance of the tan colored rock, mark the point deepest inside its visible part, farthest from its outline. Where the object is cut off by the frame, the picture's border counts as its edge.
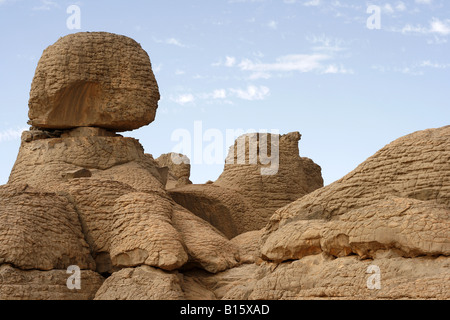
(249, 245)
(291, 178)
(179, 169)
(194, 289)
(416, 166)
(207, 248)
(141, 283)
(225, 209)
(323, 277)
(294, 241)
(93, 79)
(76, 174)
(142, 233)
(410, 227)
(95, 201)
(40, 230)
(44, 162)
(16, 284)
(319, 277)
(233, 284)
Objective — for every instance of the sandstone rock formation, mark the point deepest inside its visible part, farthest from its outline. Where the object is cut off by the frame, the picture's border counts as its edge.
(178, 169)
(93, 79)
(244, 197)
(81, 195)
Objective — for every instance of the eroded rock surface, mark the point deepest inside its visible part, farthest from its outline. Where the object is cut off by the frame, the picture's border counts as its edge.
(93, 79)
(40, 230)
(178, 169)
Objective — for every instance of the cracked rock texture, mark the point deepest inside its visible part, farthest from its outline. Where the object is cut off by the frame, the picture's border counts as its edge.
(93, 79)
(16, 284)
(40, 230)
(178, 169)
(410, 227)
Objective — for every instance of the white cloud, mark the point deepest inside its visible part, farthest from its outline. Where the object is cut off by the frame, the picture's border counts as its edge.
(429, 64)
(393, 8)
(46, 5)
(294, 62)
(252, 93)
(259, 75)
(272, 24)
(179, 72)
(400, 6)
(219, 94)
(171, 41)
(334, 69)
(326, 43)
(230, 61)
(440, 27)
(424, 1)
(436, 27)
(184, 99)
(11, 134)
(175, 42)
(312, 3)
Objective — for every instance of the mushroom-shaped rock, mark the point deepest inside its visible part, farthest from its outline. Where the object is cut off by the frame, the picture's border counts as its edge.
(93, 79)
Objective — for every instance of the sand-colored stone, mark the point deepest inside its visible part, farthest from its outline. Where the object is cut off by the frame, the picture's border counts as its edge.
(141, 283)
(93, 79)
(142, 233)
(291, 179)
(323, 277)
(249, 245)
(179, 169)
(40, 230)
(16, 284)
(44, 163)
(409, 227)
(207, 248)
(225, 209)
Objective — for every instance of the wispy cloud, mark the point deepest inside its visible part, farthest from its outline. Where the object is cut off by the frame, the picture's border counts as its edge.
(224, 95)
(252, 93)
(315, 62)
(293, 62)
(45, 5)
(171, 41)
(183, 99)
(312, 3)
(414, 69)
(435, 27)
(11, 134)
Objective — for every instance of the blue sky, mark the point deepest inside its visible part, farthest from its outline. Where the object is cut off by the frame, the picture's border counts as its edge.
(311, 66)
